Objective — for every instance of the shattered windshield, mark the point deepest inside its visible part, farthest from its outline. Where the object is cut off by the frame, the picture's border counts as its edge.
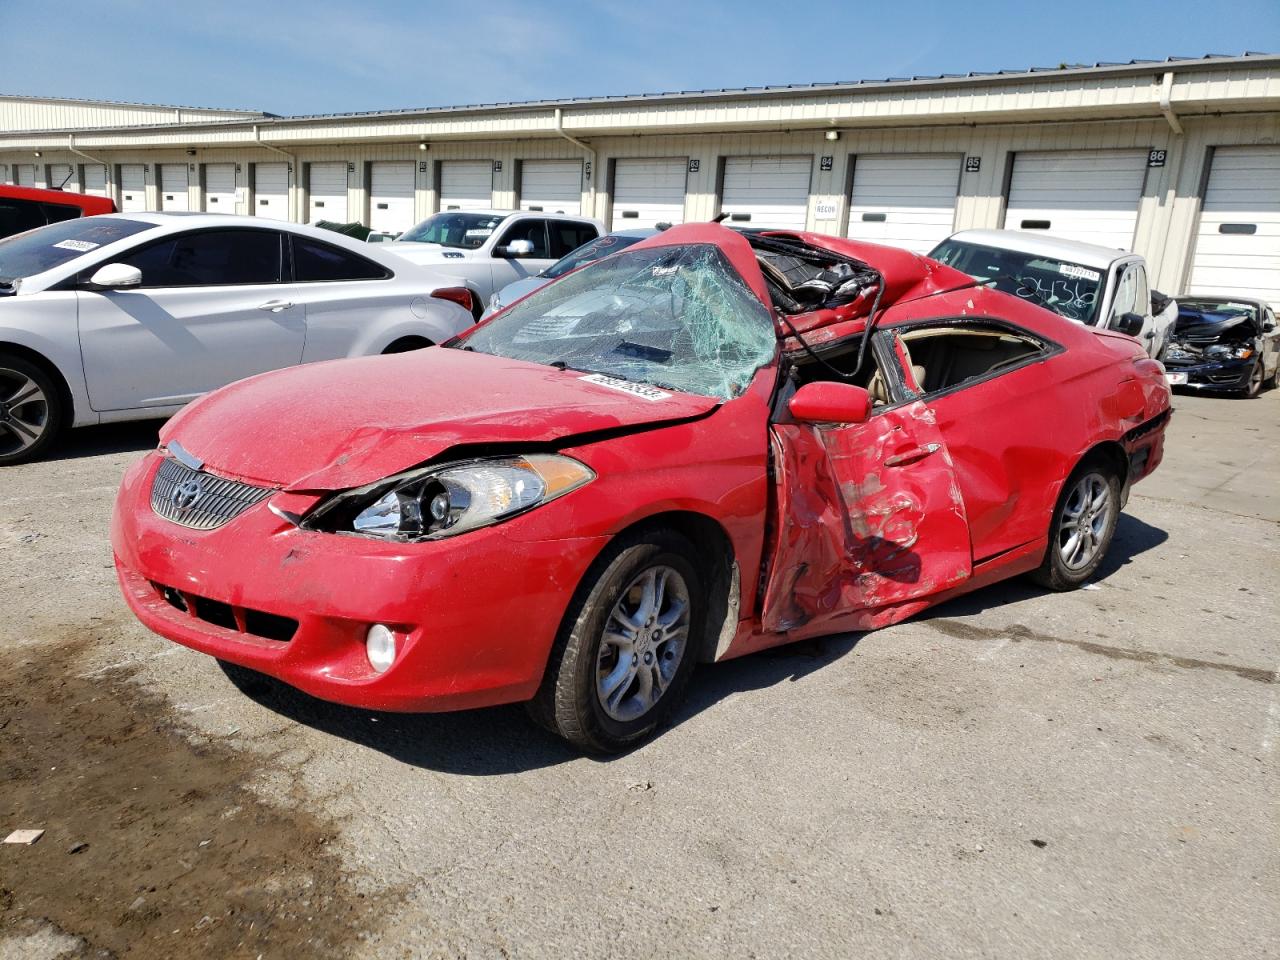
(589, 252)
(678, 317)
(1068, 289)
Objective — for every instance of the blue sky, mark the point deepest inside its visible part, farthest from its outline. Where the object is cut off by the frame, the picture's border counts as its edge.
(345, 56)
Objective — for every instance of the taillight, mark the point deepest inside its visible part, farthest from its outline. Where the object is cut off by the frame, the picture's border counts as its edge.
(459, 295)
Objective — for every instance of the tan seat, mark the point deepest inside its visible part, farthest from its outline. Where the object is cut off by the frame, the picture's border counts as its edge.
(879, 390)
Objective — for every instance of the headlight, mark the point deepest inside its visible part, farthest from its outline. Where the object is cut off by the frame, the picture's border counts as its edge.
(1227, 350)
(448, 499)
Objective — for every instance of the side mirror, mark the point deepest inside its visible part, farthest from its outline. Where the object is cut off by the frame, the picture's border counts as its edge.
(1129, 323)
(516, 249)
(1268, 327)
(115, 276)
(830, 403)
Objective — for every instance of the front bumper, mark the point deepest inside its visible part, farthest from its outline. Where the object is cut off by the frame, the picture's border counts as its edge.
(474, 617)
(1215, 375)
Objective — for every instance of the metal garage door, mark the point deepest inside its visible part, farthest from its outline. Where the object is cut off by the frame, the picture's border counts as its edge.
(648, 192)
(903, 201)
(466, 184)
(62, 176)
(391, 197)
(1238, 242)
(24, 174)
(133, 187)
(766, 191)
(554, 186)
(95, 179)
(271, 191)
(173, 187)
(220, 187)
(1089, 195)
(327, 192)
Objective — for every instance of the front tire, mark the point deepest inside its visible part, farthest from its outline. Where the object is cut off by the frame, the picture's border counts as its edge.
(1254, 387)
(627, 646)
(1084, 522)
(32, 412)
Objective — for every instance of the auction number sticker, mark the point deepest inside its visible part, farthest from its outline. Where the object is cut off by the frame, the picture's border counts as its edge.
(80, 246)
(1077, 273)
(642, 390)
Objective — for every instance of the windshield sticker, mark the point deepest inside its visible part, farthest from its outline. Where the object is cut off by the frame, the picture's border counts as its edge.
(642, 390)
(666, 271)
(80, 246)
(1079, 273)
(479, 232)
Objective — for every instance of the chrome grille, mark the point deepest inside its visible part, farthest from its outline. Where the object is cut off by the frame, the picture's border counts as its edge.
(200, 500)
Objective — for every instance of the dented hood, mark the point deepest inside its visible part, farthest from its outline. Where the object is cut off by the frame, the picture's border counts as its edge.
(330, 426)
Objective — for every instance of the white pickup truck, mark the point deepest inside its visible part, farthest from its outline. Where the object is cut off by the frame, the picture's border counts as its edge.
(488, 249)
(1094, 285)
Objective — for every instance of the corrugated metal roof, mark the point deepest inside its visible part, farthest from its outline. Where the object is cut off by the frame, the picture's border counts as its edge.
(976, 76)
(87, 102)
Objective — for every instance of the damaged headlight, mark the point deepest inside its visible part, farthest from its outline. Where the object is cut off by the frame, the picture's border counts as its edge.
(1225, 351)
(449, 499)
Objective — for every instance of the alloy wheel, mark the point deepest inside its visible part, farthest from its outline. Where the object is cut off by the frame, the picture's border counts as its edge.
(1085, 517)
(24, 411)
(644, 642)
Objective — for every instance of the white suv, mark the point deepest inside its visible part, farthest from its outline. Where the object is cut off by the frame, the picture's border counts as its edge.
(1094, 285)
(489, 249)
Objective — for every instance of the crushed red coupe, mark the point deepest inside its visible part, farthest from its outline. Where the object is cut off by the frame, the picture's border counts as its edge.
(702, 446)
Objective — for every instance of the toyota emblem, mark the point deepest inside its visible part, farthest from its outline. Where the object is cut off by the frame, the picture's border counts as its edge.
(185, 495)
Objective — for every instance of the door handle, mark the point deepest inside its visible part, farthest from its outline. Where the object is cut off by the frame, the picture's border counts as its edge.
(275, 306)
(913, 455)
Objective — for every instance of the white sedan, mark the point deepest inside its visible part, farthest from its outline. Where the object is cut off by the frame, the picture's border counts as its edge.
(130, 316)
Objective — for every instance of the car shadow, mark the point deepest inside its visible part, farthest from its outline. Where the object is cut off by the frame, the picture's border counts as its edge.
(502, 740)
(108, 438)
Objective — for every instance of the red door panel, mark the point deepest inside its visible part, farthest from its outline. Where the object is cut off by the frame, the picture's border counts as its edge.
(869, 515)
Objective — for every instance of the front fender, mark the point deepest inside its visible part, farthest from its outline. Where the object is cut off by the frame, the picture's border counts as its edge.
(61, 350)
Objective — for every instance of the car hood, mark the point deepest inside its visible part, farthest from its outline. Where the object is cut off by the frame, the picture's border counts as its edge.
(346, 423)
(428, 253)
(1212, 327)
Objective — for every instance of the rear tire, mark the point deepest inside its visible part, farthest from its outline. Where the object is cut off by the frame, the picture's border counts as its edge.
(1084, 521)
(32, 411)
(628, 645)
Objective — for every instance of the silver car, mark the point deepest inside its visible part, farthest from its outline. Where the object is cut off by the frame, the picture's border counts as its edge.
(130, 316)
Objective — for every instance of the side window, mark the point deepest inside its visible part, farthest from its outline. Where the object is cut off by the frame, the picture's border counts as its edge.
(1126, 298)
(567, 236)
(533, 230)
(314, 261)
(210, 258)
(944, 357)
(57, 212)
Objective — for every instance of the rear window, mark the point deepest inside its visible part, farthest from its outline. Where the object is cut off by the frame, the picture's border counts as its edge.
(43, 249)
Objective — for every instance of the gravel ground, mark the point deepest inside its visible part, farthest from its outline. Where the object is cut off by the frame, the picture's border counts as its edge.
(1013, 774)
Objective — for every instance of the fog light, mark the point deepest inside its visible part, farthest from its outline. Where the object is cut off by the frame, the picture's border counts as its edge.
(380, 644)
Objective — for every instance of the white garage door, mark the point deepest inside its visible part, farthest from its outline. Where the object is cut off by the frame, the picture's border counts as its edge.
(327, 192)
(766, 191)
(220, 187)
(62, 176)
(903, 201)
(466, 184)
(133, 187)
(173, 187)
(1238, 242)
(553, 186)
(648, 192)
(1089, 195)
(95, 179)
(24, 174)
(271, 191)
(391, 197)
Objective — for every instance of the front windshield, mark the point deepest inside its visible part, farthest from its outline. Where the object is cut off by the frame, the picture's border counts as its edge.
(1230, 308)
(587, 253)
(44, 248)
(1068, 289)
(678, 317)
(454, 228)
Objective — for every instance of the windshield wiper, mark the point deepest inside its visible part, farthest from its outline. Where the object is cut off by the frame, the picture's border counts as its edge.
(565, 365)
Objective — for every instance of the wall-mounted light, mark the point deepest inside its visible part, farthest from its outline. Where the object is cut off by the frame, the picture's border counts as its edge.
(37, 153)
(191, 153)
(831, 135)
(422, 146)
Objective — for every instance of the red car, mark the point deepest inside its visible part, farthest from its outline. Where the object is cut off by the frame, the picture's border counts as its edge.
(25, 208)
(691, 450)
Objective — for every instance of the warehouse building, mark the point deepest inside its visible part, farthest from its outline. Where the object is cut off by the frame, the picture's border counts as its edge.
(1178, 160)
